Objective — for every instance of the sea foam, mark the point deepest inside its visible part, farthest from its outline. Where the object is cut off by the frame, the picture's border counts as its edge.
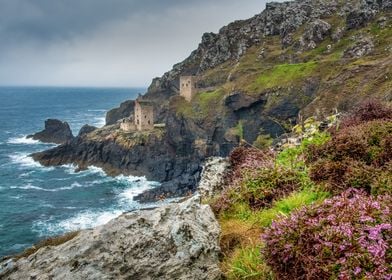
(82, 220)
(23, 140)
(26, 161)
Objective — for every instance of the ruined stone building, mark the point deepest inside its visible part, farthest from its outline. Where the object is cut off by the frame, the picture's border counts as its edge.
(188, 87)
(142, 119)
(128, 124)
(144, 115)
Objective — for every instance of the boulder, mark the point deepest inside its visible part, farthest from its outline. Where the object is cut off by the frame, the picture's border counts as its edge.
(359, 18)
(315, 33)
(55, 131)
(86, 129)
(176, 241)
(212, 176)
(362, 47)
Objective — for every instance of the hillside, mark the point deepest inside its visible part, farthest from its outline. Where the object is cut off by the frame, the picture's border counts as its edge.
(263, 75)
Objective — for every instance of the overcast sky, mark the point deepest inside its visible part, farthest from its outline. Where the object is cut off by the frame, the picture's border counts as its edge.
(105, 42)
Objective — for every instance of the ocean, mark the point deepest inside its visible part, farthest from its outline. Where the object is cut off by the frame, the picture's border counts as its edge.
(36, 201)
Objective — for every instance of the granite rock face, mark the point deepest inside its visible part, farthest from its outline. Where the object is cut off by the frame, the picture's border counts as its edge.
(212, 176)
(55, 131)
(314, 33)
(177, 241)
(125, 110)
(362, 47)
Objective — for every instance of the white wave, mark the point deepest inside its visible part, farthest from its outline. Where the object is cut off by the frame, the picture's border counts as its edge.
(70, 207)
(96, 110)
(26, 174)
(99, 121)
(29, 187)
(72, 186)
(32, 187)
(24, 160)
(71, 169)
(23, 140)
(82, 220)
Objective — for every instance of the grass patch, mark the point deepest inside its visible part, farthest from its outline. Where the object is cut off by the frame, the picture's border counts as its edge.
(286, 205)
(284, 74)
(203, 105)
(247, 263)
(241, 244)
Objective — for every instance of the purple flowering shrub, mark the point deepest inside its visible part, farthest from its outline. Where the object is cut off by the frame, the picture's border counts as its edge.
(346, 237)
(358, 156)
(256, 181)
(368, 110)
(244, 162)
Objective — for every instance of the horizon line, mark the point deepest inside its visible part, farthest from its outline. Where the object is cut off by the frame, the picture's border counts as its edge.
(70, 86)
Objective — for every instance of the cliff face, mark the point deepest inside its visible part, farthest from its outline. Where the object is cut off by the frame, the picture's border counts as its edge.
(294, 59)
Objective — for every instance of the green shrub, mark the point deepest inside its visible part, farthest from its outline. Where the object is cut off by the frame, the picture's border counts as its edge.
(263, 141)
(259, 190)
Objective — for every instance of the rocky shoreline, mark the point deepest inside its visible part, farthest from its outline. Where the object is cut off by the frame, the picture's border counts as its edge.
(175, 241)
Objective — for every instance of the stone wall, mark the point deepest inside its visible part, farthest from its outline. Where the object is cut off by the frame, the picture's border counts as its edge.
(128, 125)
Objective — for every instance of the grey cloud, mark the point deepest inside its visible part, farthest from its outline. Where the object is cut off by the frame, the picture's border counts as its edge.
(102, 42)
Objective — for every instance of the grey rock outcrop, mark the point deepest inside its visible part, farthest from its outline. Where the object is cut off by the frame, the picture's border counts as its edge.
(55, 131)
(237, 101)
(359, 18)
(212, 176)
(177, 241)
(125, 110)
(362, 47)
(86, 129)
(315, 32)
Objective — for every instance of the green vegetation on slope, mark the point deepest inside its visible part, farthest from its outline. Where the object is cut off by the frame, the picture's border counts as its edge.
(265, 187)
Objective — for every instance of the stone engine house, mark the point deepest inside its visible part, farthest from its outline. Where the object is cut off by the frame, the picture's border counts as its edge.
(188, 87)
(144, 115)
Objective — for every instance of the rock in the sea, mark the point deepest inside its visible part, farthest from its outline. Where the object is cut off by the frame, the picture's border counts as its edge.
(176, 241)
(212, 177)
(55, 131)
(86, 129)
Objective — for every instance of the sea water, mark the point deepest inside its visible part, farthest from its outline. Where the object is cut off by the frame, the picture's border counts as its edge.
(36, 201)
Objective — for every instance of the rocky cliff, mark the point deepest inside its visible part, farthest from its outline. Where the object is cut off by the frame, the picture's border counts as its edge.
(258, 77)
